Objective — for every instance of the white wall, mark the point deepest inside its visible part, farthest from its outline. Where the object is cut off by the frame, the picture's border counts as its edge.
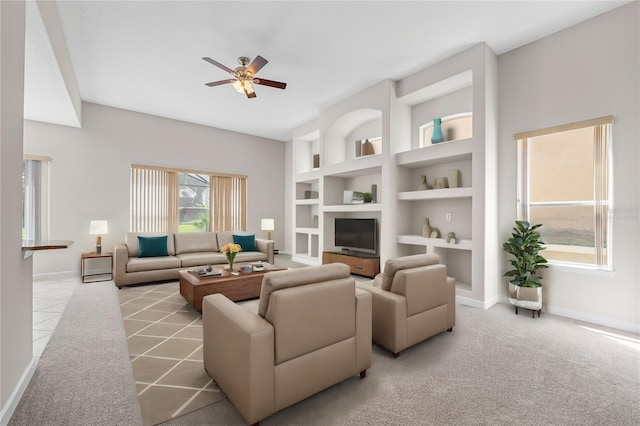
(90, 172)
(16, 361)
(586, 71)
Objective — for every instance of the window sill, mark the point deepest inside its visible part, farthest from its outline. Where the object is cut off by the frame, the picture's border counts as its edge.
(579, 269)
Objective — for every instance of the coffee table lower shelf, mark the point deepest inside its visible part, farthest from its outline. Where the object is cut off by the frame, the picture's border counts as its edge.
(245, 285)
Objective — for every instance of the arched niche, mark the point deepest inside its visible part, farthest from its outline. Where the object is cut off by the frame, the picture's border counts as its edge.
(340, 138)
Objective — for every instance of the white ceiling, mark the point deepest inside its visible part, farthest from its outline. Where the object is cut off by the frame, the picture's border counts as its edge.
(146, 56)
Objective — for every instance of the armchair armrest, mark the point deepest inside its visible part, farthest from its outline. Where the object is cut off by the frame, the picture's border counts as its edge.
(389, 317)
(363, 329)
(267, 247)
(239, 355)
(120, 258)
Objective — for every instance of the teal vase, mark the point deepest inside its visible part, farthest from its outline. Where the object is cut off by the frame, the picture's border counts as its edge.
(436, 136)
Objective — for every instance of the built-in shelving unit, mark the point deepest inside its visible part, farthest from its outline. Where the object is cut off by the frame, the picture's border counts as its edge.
(398, 116)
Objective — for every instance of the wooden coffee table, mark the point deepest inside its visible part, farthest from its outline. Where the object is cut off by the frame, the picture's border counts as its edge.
(244, 285)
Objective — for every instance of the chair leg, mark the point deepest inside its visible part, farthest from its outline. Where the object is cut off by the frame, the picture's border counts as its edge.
(363, 374)
(533, 314)
(516, 310)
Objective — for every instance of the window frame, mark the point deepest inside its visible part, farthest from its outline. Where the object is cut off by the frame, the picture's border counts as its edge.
(38, 207)
(169, 212)
(603, 238)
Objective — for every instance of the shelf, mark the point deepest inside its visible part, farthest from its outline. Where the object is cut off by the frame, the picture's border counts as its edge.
(369, 165)
(367, 207)
(417, 240)
(308, 177)
(436, 194)
(444, 152)
(308, 202)
(306, 230)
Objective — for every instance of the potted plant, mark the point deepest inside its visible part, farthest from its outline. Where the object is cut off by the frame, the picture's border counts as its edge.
(525, 289)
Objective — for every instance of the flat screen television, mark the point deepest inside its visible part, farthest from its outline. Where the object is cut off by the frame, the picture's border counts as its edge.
(356, 234)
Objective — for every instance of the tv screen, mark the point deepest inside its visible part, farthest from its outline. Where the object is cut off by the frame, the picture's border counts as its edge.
(359, 234)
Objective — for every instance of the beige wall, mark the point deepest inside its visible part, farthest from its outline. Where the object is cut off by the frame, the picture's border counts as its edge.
(90, 172)
(587, 71)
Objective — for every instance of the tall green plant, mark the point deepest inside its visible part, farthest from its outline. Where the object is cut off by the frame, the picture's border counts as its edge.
(525, 245)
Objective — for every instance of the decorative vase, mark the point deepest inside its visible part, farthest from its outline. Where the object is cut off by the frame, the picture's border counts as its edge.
(426, 228)
(526, 297)
(423, 183)
(374, 193)
(442, 182)
(454, 178)
(230, 258)
(367, 148)
(436, 136)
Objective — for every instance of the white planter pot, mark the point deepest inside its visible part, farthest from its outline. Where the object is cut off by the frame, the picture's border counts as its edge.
(526, 297)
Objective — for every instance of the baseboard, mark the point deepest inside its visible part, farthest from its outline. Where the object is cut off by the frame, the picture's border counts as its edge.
(57, 275)
(583, 316)
(18, 391)
(486, 304)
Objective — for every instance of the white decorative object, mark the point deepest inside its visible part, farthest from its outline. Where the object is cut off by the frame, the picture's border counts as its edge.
(347, 197)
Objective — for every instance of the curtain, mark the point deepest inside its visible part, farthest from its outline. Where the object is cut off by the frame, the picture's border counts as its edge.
(154, 200)
(228, 203)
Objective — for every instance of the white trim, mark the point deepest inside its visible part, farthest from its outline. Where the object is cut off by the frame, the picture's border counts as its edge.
(18, 392)
(586, 317)
(467, 301)
(577, 268)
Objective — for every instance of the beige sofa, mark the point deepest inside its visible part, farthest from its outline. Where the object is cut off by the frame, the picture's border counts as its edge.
(413, 299)
(186, 250)
(312, 329)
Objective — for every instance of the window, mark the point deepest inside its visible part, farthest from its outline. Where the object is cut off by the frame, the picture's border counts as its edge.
(35, 198)
(564, 183)
(172, 200)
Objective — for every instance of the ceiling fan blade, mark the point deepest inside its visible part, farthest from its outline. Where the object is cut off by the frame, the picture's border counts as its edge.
(270, 83)
(218, 83)
(219, 65)
(257, 64)
(251, 95)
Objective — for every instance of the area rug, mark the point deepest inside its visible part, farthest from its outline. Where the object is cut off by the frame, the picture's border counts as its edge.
(164, 336)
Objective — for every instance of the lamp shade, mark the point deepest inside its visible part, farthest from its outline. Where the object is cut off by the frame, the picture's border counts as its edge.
(98, 227)
(267, 225)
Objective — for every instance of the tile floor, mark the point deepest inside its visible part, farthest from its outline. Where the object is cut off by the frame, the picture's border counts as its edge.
(50, 297)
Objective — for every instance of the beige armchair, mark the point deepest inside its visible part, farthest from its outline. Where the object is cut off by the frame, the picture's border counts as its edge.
(312, 330)
(413, 299)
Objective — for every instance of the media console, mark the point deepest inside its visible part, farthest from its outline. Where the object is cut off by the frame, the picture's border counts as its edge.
(364, 264)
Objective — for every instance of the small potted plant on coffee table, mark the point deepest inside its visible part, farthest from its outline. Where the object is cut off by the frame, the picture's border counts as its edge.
(525, 289)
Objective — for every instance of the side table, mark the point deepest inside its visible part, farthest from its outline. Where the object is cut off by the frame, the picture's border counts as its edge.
(96, 267)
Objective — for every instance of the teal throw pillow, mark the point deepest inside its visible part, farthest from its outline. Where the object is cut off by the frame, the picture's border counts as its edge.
(247, 242)
(153, 246)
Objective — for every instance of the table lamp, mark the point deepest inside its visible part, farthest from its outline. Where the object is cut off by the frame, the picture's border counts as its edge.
(99, 228)
(268, 225)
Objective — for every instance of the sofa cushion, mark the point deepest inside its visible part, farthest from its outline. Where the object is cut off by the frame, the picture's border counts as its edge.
(142, 264)
(131, 240)
(152, 246)
(309, 317)
(202, 258)
(247, 242)
(196, 242)
(250, 256)
(406, 262)
(224, 237)
(277, 280)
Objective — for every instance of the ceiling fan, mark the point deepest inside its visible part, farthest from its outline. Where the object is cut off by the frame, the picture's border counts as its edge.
(244, 76)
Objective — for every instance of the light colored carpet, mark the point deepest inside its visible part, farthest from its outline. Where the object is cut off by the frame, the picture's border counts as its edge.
(83, 376)
(496, 368)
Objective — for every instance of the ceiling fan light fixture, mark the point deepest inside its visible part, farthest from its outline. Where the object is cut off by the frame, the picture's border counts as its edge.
(248, 87)
(237, 84)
